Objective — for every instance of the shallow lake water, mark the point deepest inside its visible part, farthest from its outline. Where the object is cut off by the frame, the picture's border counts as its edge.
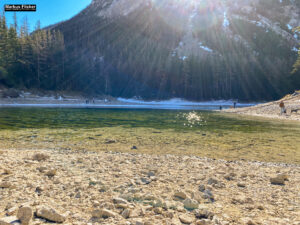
(180, 120)
(196, 132)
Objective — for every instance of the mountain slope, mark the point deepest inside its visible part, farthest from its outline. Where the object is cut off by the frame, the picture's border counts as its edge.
(193, 49)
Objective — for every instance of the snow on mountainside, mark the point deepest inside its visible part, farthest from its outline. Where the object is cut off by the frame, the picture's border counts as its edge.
(193, 12)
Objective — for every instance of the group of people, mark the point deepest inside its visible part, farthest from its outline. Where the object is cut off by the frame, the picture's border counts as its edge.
(234, 106)
(87, 101)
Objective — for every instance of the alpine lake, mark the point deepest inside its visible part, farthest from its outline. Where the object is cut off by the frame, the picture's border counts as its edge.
(151, 131)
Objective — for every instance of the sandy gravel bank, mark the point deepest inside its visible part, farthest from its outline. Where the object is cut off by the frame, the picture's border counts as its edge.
(122, 188)
(272, 109)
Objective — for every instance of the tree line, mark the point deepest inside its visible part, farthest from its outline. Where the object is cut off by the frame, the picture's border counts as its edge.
(30, 60)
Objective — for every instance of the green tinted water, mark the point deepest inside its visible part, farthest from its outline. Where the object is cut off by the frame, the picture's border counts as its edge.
(184, 132)
(55, 118)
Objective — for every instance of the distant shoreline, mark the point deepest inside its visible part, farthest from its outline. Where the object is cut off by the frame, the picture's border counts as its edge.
(77, 101)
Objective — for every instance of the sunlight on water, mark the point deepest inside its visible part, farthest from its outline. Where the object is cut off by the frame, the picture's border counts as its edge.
(192, 119)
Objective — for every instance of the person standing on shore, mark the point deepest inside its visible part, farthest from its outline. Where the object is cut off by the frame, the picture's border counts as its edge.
(282, 108)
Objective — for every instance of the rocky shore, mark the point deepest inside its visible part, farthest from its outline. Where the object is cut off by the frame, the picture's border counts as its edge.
(78, 187)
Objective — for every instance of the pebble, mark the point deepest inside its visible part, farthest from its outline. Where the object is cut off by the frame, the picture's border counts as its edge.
(186, 219)
(240, 184)
(203, 213)
(103, 213)
(5, 184)
(203, 222)
(11, 211)
(25, 215)
(51, 173)
(119, 201)
(180, 195)
(126, 213)
(9, 220)
(207, 194)
(277, 180)
(190, 204)
(49, 214)
(201, 188)
(212, 181)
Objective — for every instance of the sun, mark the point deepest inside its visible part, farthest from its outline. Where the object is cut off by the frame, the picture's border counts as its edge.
(181, 14)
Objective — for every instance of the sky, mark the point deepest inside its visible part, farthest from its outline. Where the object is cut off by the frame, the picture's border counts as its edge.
(48, 11)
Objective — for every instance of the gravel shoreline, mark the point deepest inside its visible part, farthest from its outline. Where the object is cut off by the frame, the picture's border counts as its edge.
(82, 187)
(272, 109)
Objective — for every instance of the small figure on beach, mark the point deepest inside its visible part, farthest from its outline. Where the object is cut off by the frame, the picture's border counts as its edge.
(93, 101)
(87, 101)
(282, 108)
(234, 105)
(220, 107)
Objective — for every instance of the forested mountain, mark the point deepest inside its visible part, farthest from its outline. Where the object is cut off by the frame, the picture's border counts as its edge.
(198, 50)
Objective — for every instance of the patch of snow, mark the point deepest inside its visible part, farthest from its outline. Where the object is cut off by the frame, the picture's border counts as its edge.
(296, 36)
(193, 15)
(182, 102)
(183, 57)
(226, 21)
(289, 26)
(205, 47)
(259, 24)
(295, 49)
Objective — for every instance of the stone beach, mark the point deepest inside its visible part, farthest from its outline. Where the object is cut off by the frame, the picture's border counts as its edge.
(84, 187)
